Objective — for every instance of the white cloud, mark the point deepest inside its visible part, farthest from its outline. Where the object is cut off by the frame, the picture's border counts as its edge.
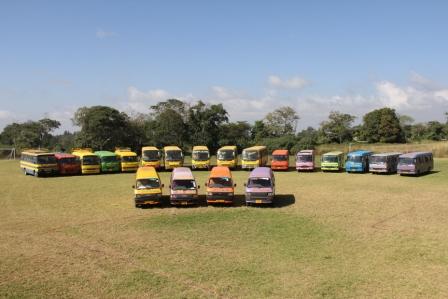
(5, 115)
(290, 83)
(391, 95)
(102, 34)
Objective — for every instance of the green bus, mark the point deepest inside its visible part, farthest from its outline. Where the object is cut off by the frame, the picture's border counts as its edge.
(110, 162)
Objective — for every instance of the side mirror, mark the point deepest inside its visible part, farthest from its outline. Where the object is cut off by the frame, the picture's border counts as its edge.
(199, 186)
(163, 185)
(245, 185)
(234, 185)
(169, 186)
(133, 186)
(205, 184)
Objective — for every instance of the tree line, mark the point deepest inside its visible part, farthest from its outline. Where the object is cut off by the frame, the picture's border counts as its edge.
(174, 122)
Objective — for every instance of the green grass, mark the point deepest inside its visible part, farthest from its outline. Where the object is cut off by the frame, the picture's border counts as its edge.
(332, 235)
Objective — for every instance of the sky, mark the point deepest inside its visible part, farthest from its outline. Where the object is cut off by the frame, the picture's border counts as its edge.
(251, 56)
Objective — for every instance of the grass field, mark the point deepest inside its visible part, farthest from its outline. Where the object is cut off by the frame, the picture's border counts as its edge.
(330, 235)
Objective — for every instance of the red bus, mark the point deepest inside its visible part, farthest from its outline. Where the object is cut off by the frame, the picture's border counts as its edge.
(68, 164)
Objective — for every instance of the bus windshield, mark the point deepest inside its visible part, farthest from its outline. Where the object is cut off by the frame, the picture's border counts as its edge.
(69, 161)
(279, 158)
(378, 159)
(90, 160)
(173, 155)
(226, 155)
(250, 155)
(222, 182)
(330, 159)
(147, 183)
(356, 159)
(129, 159)
(183, 185)
(151, 156)
(46, 159)
(259, 183)
(109, 159)
(305, 158)
(407, 161)
(200, 155)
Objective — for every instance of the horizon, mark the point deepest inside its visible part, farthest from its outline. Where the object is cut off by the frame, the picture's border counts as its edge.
(252, 57)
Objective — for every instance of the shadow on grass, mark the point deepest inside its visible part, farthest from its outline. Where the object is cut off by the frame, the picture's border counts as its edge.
(421, 174)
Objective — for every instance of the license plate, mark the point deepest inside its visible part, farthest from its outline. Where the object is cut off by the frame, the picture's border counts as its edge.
(184, 203)
(258, 201)
(150, 202)
(220, 201)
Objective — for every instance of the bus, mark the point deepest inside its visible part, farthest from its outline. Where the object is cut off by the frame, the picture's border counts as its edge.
(332, 161)
(200, 157)
(109, 161)
(254, 156)
(38, 162)
(305, 160)
(173, 157)
(67, 163)
(227, 156)
(128, 159)
(148, 187)
(358, 161)
(90, 163)
(151, 156)
(384, 163)
(280, 159)
(415, 163)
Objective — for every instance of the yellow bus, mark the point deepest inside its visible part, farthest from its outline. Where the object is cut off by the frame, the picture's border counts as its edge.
(227, 156)
(151, 156)
(254, 156)
(90, 163)
(173, 157)
(128, 159)
(147, 188)
(38, 162)
(200, 157)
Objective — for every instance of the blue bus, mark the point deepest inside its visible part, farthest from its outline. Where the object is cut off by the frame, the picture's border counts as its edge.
(358, 161)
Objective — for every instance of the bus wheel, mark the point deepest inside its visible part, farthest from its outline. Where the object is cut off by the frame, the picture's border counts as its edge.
(25, 172)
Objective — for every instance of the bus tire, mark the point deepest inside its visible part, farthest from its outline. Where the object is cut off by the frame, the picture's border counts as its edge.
(25, 172)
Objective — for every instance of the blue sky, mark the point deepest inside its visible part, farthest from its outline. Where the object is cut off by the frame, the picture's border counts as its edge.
(316, 56)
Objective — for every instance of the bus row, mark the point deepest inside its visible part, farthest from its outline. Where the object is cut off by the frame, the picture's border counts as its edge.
(259, 189)
(85, 161)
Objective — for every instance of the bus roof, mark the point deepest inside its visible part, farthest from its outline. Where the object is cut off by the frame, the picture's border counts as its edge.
(306, 152)
(171, 148)
(334, 153)
(125, 153)
(359, 153)
(220, 171)
(200, 148)
(104, 153)
(36, 152)
(228, 147)
(63, 155)
(255, 148)
(81, 154)
(386, 154)
(146, 172)
(415, 154)
(261, 172)
(280, 152)
(149, 148)
(82, 149)
(182, 173)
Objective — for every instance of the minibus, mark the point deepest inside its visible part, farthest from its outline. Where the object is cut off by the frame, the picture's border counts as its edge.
(220, 186)
(260, 187)
(151, 156)
(38, 162)
(183, 187)
(332, 161)
(173, 157)
(128, 159)
(280, 159)
(253, 157)
(68, 164)
(415, 163)
(357, 161)
(305, 160)
(227, 156)
(200, 157)
(109, 161)
(90, 163)
(383, 163)
(148, 187)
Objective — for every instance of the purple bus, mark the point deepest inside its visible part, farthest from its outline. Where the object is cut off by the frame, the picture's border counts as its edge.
(260, 187)
(415, 163)
(305, 160)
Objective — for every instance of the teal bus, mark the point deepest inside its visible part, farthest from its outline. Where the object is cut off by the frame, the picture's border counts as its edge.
(110, 162)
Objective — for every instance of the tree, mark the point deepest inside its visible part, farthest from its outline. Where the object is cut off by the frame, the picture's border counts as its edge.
(102, 127)
(258, 131)
(338, 127)
(406, 122)
(435, 131)
(237, 133)
(382, 125)
(282, 121)
(30, 134)
(307, 139)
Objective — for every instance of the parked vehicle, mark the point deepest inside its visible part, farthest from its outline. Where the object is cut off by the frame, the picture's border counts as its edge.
(109, 161)
(255, 156)
(200, 157)
(384, 163)
(90, 163)
(128, 159)
(332, 161)
(227, 156)
(220, 186)
(38, 162)
(173, 157)
(151, 156)
(305, 160)
(415, 163)
(280, 160)
(260, 187)
(148, 187)
(183, 187)
(68, 164)
(358, 161)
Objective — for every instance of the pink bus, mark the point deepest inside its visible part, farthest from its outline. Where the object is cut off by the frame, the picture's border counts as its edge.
(305, 160)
